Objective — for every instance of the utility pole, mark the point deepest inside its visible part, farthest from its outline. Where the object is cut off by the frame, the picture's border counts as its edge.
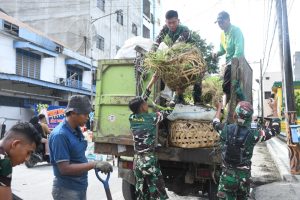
(261, 91)
(287, 83)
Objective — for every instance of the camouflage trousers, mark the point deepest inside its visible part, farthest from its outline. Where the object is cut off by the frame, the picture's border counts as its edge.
(149, 180)
(234, 184)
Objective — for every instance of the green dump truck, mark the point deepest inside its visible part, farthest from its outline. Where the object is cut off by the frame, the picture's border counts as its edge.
(186, 171)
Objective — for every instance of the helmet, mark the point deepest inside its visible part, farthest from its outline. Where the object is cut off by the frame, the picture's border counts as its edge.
(244, 112)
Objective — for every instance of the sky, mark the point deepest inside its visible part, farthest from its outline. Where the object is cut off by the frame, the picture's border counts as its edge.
(251, 16)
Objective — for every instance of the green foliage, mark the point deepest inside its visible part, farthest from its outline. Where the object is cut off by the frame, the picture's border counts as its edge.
(297, 101)
(40, 107)
(207, 50)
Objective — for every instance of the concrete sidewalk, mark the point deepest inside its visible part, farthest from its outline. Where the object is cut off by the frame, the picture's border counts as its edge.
(289, 187)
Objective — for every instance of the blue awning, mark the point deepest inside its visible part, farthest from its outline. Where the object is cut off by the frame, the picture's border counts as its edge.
(34, 48)
(78, 63)
(13, 77)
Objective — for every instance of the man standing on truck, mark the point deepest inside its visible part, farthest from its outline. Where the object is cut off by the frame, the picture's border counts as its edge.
(149, 179)
(174, 32)
(237, 144)
(67, 152)
(232, 44)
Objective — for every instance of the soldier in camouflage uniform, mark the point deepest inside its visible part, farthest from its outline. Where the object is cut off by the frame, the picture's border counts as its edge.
(174, 32)
(16, 146)
(237, 144)
(149, 180)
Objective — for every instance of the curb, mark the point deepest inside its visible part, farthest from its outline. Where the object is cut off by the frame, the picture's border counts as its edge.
(279, 153)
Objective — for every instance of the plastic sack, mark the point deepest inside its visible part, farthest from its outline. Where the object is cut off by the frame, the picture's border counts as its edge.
(189, 112)
(127, 50)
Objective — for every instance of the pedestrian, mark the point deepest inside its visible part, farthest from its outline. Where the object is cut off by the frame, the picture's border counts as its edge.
(172, 33)
(35, 122)
(16, 147)
(237, 144)
(232, 45)
(67, 152)
(149, 179)
(44, 124)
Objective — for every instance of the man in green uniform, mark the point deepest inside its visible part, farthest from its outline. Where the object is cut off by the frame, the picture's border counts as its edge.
(149, 180)
(237, 144)
(16, 146)
(174, 32)
(232, 44)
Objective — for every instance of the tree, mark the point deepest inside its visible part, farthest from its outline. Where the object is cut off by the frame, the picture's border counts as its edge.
(207, 50)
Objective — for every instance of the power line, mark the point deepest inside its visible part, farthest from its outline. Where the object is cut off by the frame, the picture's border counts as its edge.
(271, 45)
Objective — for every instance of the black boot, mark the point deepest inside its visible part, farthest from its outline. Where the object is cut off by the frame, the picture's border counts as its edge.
(179, 99)
(197, 92)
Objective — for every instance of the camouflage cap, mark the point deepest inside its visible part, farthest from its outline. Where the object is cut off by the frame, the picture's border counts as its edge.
(244, 111)
(79, 104)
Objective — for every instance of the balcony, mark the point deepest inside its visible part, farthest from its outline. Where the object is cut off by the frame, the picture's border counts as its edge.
(75, 84)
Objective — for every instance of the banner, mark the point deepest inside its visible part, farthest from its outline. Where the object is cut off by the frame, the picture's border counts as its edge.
(55, 115)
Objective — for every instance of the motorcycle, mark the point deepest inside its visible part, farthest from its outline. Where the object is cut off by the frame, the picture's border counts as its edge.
(37, 157)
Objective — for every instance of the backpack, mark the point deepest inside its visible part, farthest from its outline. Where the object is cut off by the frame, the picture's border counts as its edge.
(234, 152)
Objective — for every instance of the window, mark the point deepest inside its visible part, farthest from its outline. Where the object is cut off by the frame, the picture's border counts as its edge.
(146, 32)
(120, 18)
(100, 42)
(134, 29)
(11, 28)
(146, 8)
(28, 64)
(117, 48)
(74, 77)
(267, 95)
(101, 4)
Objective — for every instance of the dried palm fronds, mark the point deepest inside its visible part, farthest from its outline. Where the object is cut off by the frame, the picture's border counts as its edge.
(179, 66)
(211, 90)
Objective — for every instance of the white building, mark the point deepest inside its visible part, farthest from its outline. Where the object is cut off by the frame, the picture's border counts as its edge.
(97, 26)
(268, 80)
(297, 66)
(36, 69)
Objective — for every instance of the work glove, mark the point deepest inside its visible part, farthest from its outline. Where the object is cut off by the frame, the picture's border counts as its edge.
(104, 167)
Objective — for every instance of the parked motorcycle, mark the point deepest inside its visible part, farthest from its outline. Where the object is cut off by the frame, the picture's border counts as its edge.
(37, 157)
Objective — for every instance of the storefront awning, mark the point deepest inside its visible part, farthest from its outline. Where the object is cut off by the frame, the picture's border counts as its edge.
(33, 48)
(78, 63)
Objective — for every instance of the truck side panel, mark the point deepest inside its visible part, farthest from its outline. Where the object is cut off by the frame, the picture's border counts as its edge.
(115, 87)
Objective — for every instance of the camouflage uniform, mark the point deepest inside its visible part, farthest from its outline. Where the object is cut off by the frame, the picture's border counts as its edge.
(5, 169)
(149, 180)
(235, 179)
(182, 34)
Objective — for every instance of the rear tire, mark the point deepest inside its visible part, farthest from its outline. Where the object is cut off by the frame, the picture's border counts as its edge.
(128, 190)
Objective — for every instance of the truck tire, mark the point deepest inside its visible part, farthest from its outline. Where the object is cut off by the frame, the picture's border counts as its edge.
(128, 190)
(212, 190)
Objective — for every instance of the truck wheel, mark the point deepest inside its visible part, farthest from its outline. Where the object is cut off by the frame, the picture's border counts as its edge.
(212, 190)
(128, 190)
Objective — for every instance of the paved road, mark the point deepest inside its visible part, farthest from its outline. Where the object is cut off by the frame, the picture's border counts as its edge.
(36, 183)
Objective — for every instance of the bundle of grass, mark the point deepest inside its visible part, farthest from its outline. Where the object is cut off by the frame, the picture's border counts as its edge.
(211, 90)
(179, 66)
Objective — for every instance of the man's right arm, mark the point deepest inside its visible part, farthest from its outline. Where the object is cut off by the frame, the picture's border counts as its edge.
(218, 126)
(67, 169)
(161, 36)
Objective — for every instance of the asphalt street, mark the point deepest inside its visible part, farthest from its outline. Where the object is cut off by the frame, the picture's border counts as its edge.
(36, 183)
